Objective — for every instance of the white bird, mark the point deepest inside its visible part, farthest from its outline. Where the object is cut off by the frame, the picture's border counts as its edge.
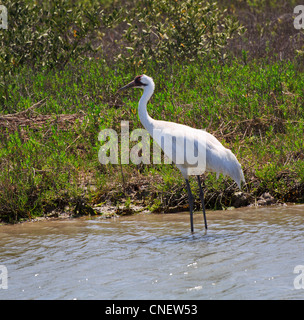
(184, 143)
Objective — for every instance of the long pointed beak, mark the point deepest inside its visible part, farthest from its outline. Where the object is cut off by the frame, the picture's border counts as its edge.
(129, 85)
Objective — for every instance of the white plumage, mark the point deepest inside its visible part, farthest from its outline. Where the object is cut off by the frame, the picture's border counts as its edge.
(210, 154)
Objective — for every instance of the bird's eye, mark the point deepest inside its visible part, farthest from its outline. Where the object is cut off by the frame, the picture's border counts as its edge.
(138, 80)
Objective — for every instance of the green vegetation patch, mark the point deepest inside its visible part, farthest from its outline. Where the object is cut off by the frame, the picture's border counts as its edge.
(53, 108)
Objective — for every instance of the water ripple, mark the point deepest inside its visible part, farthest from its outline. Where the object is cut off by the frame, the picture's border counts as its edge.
(246, 254)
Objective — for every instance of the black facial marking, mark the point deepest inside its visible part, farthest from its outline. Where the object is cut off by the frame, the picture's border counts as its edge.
(138, 82)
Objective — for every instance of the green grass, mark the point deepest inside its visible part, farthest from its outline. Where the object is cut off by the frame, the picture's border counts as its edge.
(255, 109)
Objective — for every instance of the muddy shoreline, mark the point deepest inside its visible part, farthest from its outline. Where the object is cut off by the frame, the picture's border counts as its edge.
(111, 211)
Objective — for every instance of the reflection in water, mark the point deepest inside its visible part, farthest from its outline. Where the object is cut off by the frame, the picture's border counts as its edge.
(246, 254)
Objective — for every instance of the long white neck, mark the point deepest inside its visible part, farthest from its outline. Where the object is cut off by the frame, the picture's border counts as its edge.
(144, 117)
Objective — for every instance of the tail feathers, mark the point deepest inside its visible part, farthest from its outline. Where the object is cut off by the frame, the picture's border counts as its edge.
(231, 167)
(239, 178)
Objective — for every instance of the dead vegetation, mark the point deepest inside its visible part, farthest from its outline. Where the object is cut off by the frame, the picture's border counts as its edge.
(33, 120)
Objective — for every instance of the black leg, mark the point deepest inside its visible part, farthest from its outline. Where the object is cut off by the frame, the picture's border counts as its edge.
(190, 199)
(202, 200)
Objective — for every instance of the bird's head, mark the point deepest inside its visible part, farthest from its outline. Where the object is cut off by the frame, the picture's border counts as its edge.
(139, 82)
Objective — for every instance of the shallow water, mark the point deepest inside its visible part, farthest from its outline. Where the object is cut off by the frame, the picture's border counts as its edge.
(246, 254)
